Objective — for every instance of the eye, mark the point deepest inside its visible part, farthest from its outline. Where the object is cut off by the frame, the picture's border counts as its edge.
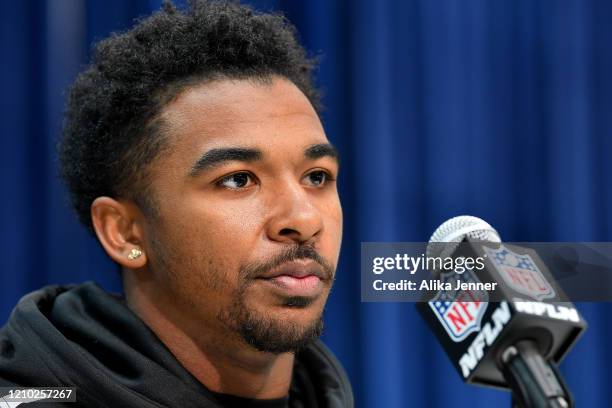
(236, 181)
(318, 178)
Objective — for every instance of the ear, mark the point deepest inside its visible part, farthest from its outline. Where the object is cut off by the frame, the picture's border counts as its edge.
(117, 225)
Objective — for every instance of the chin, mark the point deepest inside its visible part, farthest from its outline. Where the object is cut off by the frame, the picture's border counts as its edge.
(275, 323)
(282, 329)
(298, 313)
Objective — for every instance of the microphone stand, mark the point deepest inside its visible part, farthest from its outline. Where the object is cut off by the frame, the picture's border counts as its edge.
(535, 382)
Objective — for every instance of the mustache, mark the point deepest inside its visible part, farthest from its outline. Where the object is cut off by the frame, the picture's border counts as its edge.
(295, 253)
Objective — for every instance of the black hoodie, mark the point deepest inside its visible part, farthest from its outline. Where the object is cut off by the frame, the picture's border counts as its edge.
(84, 337)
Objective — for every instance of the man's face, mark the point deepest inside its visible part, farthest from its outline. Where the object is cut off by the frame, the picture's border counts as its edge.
(248, 227)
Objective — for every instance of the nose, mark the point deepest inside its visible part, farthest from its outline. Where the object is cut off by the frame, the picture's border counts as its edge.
(294, 219)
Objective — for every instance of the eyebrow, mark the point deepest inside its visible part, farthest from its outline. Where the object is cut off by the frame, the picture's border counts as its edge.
(320, 150)
(216, 157)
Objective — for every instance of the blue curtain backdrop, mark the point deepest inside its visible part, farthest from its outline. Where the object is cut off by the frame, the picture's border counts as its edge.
(499, 109)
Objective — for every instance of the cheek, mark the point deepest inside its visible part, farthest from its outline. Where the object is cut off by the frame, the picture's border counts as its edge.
(193, 270)
(333, 229)
(333, 211)
(231, 231)
(214, 237)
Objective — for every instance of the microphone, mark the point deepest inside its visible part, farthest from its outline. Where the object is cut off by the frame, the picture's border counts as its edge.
(514, 342)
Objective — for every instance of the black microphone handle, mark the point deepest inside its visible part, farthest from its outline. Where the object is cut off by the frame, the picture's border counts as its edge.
(535, 381)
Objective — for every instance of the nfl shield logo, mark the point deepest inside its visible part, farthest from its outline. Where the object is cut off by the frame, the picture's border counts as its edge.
(459, 312)
(520, 272)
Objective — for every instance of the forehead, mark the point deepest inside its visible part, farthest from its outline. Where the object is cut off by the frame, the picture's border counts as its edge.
(243, 112)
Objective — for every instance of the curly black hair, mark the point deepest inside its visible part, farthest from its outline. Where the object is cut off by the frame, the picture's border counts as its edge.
(112, 129)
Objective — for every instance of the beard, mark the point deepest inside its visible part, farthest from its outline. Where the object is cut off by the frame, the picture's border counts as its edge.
(269, 334)
(263, 331)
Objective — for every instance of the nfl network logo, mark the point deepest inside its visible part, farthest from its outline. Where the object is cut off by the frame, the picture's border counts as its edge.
(520, 272)
(459, 311)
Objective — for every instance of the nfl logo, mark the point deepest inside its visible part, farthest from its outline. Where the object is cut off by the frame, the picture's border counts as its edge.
(520, 272)
(459, 312)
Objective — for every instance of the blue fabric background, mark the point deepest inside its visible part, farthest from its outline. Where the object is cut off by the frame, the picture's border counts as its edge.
(499, 109)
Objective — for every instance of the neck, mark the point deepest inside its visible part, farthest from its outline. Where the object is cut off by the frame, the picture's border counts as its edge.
(221, 361)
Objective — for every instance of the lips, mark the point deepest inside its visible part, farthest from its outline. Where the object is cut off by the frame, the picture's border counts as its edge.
(296, 278)
(296, 269)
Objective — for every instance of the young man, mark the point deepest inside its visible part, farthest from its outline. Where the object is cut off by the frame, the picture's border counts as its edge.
(194, 151)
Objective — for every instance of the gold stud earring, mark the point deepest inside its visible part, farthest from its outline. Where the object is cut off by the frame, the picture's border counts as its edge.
(134, 253)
